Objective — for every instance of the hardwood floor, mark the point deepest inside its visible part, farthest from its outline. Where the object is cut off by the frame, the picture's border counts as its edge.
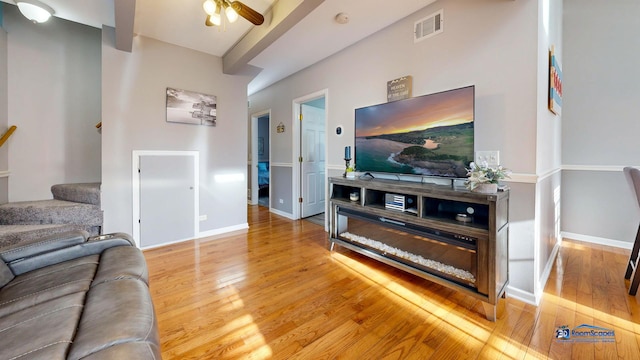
(276, 292)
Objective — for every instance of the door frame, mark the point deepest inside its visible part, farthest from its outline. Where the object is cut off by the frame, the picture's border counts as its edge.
(135, 181)
(254, 156)
(296, 173)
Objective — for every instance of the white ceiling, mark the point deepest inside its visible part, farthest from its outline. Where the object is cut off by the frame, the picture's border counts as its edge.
(315, 37)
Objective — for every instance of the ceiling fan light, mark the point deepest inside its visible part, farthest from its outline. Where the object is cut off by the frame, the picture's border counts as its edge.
(232, 15)
(209, 7)
(35, 11)
(215, 19)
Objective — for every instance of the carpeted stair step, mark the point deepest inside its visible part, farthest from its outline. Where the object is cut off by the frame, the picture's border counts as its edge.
(88, 193)
(14, 234)
(50, 212)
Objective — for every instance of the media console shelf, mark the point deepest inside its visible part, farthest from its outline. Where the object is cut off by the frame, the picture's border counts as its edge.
(456, 238)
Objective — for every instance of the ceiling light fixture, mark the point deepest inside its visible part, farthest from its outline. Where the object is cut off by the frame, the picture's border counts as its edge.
(213, 11)
(232, 10)
(35, 10)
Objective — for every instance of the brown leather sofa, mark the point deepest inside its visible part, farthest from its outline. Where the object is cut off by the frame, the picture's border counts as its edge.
(72, 296)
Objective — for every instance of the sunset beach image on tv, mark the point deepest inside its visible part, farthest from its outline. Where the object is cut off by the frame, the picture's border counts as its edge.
(425, 135)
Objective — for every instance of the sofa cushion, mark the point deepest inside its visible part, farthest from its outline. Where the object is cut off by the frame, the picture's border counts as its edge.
(5, 274)
(44, 331)
(121, 262)
(47, 283)
(116, 312)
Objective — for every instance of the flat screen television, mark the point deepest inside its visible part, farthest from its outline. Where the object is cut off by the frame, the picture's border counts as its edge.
(428, 135)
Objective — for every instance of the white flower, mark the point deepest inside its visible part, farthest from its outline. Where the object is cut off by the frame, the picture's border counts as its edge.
(484, 174)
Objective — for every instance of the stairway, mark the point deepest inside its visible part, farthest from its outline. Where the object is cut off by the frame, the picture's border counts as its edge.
(73, 207)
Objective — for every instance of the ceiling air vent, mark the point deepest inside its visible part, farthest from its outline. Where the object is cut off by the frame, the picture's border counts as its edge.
(428, 27)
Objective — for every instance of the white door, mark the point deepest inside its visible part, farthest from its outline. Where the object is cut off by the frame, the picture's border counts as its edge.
(167, 201)
(312, 151)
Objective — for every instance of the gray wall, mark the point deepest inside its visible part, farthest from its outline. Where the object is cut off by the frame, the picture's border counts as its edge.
(600, 119)
(54, 99)
(280, 190)
(492, 44)
(134, 118)
(4, 121)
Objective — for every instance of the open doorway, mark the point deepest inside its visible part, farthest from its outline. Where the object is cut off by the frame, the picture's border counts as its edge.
(260, 158)
(310, 139)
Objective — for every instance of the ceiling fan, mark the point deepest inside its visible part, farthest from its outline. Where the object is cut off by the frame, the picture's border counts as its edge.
(232, 9)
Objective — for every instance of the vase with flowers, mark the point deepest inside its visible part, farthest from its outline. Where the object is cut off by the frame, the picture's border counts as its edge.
(485, 179)
(350, 172)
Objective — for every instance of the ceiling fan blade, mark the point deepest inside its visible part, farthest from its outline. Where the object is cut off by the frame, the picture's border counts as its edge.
(248, 13)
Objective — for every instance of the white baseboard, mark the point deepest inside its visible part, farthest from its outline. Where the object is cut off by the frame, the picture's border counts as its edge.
(202, 235)
(282, 213)
(597, 240)
(223, 230)
(542, 282)
(521, 295)
(164, 244)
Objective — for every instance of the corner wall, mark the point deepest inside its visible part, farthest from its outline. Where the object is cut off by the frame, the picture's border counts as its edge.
(134, 118)
(548, 146)
(54, 100)
(600, 120)
(4, 120)
(492, 44)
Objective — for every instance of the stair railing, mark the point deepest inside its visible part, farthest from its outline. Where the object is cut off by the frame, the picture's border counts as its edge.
(6, 135)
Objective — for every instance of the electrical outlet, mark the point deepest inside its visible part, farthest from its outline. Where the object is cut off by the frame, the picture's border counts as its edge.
(281, 201)
(491, 158)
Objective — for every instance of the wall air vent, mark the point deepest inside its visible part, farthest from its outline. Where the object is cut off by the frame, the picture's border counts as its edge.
(428, 26)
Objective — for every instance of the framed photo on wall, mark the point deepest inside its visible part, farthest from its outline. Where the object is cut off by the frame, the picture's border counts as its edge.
(190, 107)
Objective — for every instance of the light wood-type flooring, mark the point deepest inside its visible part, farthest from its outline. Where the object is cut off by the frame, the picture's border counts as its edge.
(277, 292)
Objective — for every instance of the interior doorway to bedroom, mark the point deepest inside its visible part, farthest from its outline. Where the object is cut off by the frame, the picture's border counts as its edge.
(260, 159)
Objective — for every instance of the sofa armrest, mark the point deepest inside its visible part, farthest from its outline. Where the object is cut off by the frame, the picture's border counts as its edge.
(73, 249)
(121, 236)
(43, 245)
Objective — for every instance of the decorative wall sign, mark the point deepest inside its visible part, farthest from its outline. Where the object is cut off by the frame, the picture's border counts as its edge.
(190, 107)
(555, 83)
(399, 89)
(280, 128)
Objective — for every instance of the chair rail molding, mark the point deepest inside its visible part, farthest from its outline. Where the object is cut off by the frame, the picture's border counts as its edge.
(595, 167)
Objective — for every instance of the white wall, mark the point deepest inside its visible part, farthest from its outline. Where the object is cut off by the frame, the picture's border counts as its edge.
(548, 145)
(600, 122)
(54, 100)
(492, 44)
(134, 118)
